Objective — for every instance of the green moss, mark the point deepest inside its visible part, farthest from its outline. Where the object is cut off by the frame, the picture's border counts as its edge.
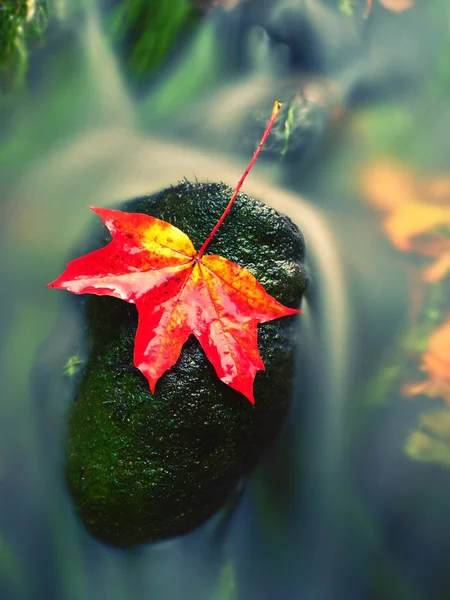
(72, 366)
(145, 467)
(346, 8)
(288, 124)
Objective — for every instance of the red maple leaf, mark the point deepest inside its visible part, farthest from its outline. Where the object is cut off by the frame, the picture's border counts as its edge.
(178, 292)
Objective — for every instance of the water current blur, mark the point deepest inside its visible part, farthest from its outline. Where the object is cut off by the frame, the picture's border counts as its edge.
(326, 516)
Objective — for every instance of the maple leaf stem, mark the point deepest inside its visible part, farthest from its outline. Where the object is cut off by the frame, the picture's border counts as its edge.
(276, 109)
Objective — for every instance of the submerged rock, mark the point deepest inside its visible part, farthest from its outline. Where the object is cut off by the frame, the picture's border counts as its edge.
(310, 104)
(145, 467)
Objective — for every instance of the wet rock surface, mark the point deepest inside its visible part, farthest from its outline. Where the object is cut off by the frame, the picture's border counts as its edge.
(310, 105)
(295, 133)
(145, 467)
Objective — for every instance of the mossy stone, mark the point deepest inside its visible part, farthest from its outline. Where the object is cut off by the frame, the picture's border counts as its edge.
(145, 467)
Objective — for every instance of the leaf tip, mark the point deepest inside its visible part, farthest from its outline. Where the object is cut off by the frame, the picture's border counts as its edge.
(55, 283)
(250, 397)
(288, 312)
(96, 210)
(247, 390)
(151, 381)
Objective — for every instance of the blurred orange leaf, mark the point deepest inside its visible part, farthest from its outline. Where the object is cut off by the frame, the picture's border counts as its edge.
(436, 363)
(397, 5)
(414, 208)
(437, 358)
(439, 249)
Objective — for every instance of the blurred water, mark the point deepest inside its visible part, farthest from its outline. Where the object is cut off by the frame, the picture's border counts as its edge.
(302, 528)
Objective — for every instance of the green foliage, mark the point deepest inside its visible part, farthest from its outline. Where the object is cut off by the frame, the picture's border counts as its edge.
(430, 442)
(288, 125)
(226, 587)
(147, 29)
(142, 30)
(72, 366)
(346, 8)
(21, 23)
(184, 82)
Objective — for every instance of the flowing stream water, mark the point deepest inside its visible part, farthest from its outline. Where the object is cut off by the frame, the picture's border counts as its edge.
(113, 147)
